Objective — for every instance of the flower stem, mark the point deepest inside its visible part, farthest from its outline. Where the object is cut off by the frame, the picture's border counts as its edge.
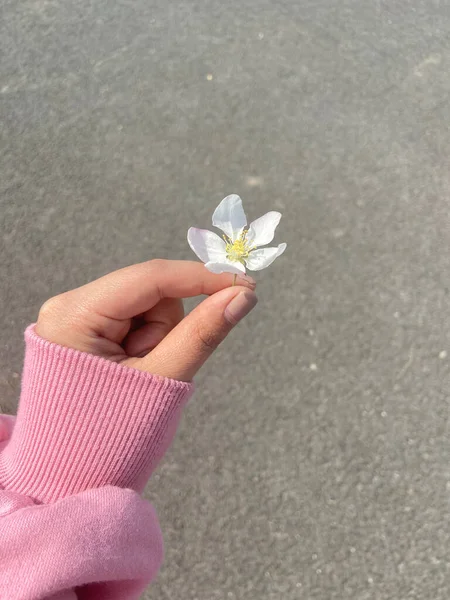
(234, 280)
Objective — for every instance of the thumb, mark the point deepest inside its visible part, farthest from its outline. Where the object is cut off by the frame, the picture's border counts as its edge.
(184, 350)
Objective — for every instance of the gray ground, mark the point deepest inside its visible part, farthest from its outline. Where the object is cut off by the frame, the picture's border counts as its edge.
(314, 461)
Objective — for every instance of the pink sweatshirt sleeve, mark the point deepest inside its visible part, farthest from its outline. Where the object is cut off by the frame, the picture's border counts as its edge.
(88, 435)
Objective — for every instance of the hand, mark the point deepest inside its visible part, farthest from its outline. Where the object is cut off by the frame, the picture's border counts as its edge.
(135, 316)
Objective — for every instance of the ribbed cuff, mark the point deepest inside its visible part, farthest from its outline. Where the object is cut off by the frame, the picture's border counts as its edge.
(85, 422)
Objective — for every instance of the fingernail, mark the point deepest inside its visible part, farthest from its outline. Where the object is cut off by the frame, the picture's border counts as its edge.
(240, 306)
(248, 279)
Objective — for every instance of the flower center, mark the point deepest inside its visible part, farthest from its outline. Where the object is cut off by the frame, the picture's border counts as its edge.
(238, 250)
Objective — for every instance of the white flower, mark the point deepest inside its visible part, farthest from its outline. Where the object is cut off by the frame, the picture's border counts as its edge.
(240, 246)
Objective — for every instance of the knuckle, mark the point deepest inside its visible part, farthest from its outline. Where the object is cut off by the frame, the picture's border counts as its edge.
(49, 309)
(157, 264)
(209, 340)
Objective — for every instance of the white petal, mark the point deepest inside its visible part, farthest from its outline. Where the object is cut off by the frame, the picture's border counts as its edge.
(262, 230)
(229, 216)
(263, 257)
(227, 266)
(207, 245)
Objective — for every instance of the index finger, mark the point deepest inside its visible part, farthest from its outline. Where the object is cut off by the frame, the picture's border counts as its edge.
(133, 290)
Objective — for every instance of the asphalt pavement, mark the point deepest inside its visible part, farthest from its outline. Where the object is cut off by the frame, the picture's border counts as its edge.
(313, 462)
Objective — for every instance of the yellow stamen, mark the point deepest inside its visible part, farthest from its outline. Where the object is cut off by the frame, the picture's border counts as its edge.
(238, 250)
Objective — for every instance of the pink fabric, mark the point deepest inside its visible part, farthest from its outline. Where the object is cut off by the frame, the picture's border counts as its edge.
(87, 436)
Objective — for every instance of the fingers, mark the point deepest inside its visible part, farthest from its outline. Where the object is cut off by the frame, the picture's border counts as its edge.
(184, 350)
(156, 324)
(135, 289)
